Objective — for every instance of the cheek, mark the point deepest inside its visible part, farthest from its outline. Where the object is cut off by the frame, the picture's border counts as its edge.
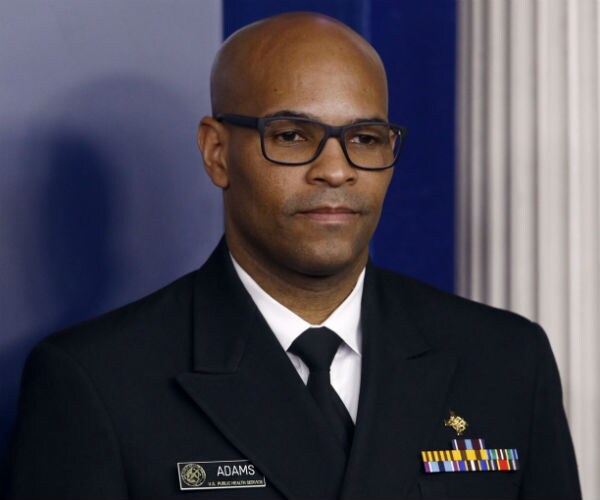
(375, 186)
(257, 188)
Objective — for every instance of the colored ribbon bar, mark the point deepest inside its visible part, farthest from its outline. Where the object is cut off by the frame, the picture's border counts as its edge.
(468, 444)
(484, 460)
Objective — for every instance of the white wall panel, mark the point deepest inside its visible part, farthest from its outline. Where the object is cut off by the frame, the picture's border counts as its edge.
(528, 186)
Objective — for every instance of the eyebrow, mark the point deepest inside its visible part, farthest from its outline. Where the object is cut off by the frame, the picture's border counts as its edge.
(288, 113)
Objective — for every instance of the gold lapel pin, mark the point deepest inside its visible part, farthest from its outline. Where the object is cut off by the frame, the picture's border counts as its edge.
(459, 424)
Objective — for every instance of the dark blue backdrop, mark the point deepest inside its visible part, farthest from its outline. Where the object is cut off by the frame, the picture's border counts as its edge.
(416, 40)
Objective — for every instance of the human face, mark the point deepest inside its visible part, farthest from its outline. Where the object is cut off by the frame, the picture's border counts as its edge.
(315, 219)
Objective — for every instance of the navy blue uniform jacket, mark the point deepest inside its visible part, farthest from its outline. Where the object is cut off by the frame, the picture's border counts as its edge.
(193, 373)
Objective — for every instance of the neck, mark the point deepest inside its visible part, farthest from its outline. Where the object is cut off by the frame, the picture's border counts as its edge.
(313, 298)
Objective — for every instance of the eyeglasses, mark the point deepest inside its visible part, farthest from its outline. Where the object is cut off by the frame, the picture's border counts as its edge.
(292, 140)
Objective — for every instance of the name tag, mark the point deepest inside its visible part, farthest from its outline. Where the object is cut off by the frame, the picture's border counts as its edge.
(219, 474)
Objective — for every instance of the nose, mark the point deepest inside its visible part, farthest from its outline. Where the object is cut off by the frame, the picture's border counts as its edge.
(331, 167)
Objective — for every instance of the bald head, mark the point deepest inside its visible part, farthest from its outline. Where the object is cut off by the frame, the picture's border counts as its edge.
(251, 63)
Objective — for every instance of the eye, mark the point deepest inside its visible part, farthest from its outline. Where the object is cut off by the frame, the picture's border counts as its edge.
(365, 139)
(288, 136)
(288, 132)
(368, 135)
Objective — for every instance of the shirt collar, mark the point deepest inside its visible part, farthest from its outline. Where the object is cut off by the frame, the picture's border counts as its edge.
(287, 325)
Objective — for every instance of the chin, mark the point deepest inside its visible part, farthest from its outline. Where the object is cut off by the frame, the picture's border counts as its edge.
(327, 261)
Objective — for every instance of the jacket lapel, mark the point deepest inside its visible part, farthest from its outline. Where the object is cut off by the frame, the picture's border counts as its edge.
(244, 382)
(403, 390)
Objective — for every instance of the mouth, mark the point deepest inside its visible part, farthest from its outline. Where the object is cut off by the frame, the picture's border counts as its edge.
(330, 214)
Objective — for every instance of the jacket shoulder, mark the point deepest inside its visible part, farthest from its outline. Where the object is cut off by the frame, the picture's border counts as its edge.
(132, 326)
(447, 318)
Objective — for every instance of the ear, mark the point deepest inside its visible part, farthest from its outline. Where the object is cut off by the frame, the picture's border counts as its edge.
(212, 141)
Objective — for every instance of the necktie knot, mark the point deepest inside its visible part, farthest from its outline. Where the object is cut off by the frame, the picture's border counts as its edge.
(316, 347)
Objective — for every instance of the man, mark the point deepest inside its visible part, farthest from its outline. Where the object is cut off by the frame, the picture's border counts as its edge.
(213, 386)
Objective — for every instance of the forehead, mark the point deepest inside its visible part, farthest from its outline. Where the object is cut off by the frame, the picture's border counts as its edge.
(328, 74)
(327, 87)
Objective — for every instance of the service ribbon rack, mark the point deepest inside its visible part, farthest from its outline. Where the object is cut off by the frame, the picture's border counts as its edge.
(470, 455)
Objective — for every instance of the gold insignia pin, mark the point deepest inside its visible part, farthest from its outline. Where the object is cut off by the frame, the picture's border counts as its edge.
(459, 424)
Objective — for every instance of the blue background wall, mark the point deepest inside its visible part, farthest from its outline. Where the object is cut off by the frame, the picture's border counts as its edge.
(103, 197)
(102, 194)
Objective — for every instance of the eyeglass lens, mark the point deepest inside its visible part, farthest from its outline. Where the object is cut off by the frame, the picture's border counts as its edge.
(297, 141)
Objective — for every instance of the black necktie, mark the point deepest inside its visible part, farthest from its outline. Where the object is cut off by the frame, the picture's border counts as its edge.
(317, 347)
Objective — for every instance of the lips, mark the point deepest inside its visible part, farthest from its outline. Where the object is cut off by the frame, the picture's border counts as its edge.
(330, 214)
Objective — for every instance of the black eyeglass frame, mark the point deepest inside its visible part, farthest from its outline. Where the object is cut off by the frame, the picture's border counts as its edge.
(330, 131)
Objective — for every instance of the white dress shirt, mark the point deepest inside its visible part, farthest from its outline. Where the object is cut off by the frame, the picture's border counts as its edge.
(344, 321)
